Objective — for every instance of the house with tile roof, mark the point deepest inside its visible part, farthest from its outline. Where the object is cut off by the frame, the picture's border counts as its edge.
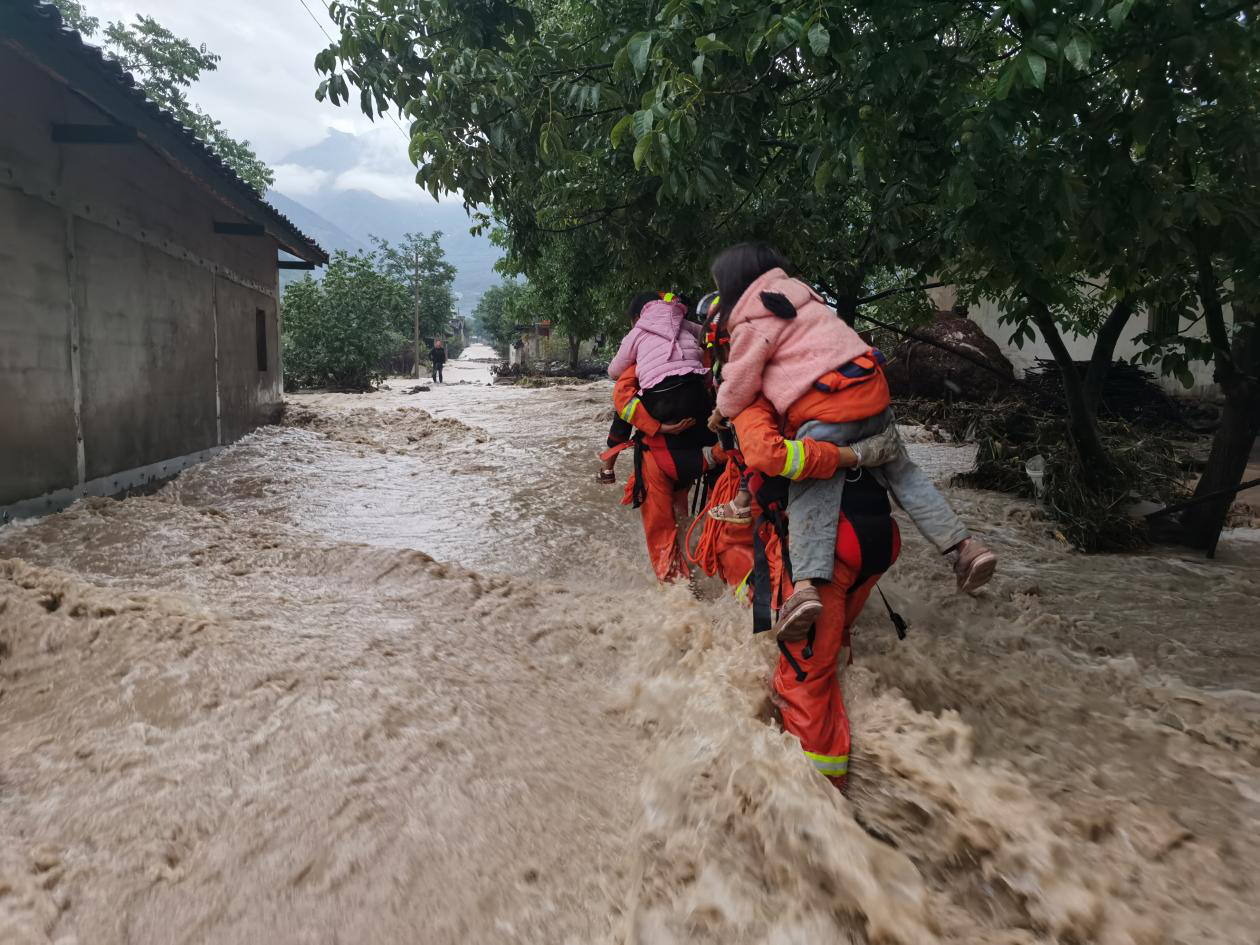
(139, 300)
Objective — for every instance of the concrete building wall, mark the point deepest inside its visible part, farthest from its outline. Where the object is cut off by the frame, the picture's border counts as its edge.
(988, 316)
(118, 303)
(38, 450)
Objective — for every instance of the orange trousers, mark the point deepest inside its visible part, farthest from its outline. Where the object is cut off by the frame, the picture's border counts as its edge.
(813, 707)
(664, 511)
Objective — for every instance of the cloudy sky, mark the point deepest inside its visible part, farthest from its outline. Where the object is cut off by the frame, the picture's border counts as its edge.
(264, 89)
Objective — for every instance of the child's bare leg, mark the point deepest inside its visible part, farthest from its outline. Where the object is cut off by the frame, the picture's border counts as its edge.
(607, 474)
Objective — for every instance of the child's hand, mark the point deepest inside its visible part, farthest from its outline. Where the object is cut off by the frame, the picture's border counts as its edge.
(716, 420)
(879, 449)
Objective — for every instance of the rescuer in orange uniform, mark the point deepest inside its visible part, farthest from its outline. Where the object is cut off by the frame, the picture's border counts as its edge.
(806, 681)
(751, 559)
(668, 460)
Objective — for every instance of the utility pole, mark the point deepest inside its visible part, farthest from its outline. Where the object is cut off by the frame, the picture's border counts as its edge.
(415, 288)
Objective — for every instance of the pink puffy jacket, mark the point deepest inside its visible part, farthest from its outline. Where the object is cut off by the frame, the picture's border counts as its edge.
(662, 344)
(782, 357)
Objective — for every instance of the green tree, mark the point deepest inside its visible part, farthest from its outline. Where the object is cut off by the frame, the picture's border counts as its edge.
(1076, 161)
(658, 144)
(570, 283)
(77, 17)
(498, 312)
(1108, 167)
(166, 66)
(418, 262)
(337, 331)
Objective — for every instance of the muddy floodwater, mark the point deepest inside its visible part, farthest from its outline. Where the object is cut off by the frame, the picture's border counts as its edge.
(396, 672)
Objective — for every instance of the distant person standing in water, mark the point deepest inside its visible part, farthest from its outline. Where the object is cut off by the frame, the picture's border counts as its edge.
(438, 356)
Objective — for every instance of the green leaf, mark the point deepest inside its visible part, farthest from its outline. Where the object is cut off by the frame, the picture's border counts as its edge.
(641, 150)
(754, 43)
(1119, 13)
(1006, 81)
(710, 43)
(819, 39)
(619, 130)
(697, 67)
(823, 176)
(1078, 51)
(1035, 67)
(1209, 212)
(1030, 9)
(643, 122)
(637, 49)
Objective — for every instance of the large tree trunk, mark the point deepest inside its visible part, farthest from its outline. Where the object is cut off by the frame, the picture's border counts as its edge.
(1082, 419)
(1236, 365)
(575, 348)
(1104, 351)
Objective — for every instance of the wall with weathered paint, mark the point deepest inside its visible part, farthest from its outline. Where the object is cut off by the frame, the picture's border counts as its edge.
(124, 319)
(988, 315)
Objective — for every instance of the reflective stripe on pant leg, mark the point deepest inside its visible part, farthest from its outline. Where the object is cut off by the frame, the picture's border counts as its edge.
(833, 766)
(813, 708)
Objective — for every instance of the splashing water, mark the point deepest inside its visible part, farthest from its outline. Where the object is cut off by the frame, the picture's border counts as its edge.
(396, 671)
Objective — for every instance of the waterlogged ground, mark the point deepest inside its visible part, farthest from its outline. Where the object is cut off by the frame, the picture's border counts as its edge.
(395, 672)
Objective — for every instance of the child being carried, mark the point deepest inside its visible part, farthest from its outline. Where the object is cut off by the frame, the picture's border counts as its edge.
(665, 349)
(827, 384)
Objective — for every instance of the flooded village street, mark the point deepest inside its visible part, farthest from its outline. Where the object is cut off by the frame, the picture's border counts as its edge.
(396, 670)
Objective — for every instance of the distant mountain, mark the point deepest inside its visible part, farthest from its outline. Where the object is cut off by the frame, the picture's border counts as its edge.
(357, 215)
(323, 231)
(366, 215)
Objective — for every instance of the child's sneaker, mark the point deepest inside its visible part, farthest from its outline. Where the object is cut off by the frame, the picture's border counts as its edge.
(974, 564)
(731, 513)
(798, 613)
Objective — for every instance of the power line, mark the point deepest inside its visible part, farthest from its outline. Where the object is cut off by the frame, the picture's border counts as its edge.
(333, 42)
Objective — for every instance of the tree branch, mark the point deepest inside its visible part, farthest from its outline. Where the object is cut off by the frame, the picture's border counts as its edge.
(898, 291)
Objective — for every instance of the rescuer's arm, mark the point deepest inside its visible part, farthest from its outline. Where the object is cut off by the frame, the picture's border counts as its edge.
(629, 407)
(766, 450)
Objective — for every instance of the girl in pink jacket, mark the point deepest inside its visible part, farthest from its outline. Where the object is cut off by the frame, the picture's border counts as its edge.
(663, 345)
(826, 383)
(664, 348)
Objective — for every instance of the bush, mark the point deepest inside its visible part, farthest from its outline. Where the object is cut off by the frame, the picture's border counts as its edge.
(337, 331)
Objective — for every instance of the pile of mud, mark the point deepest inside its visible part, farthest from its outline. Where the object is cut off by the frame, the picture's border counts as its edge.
(400, 430)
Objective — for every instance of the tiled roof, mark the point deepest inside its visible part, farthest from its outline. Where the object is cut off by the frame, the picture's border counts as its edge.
(46, 21)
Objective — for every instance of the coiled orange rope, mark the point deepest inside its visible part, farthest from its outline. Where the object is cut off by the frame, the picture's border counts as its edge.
(705, 557)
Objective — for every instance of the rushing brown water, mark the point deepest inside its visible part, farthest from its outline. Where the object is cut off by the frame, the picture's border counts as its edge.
(396, 672)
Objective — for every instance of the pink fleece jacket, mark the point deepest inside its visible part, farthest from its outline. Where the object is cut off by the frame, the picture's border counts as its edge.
(782, 357)
(662, 344)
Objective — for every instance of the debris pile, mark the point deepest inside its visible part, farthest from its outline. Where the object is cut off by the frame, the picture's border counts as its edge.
(1024, 449)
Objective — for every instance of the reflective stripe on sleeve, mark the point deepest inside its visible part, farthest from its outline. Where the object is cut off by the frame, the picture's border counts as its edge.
(628, 411)
(794, 462)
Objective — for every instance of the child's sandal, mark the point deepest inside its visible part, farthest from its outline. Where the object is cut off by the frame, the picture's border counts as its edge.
(731, 514)
(607, 477)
